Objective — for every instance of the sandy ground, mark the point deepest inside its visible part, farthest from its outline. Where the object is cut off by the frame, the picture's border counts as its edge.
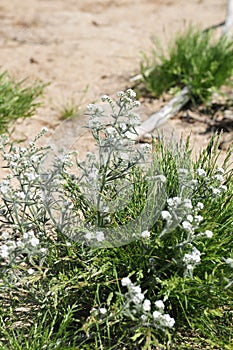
(85, 49)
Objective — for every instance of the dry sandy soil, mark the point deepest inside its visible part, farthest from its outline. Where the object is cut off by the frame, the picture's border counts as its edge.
(85, 49)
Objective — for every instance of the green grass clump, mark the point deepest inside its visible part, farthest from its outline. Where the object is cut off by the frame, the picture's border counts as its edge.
(16, 100)
(195, 60)
(69, 110)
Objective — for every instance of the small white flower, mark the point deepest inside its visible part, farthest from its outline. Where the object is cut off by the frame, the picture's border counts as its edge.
(219, 177)
(105, 98)
(201, 172)
(44, 130)
(136, 289)
(168, 321)
(143, 318)
(28, 234)
(30, 176)
(208, 233)
(193, 258)
(111, 131)
(146, 305)
(102, 310)
(5, 235)
(187, 226)
(174, 202)
(216, 191)
(200, 206)
(4, 189)
(100, 236)
(34, 241)
(94, 122)
(166, 215)
(223, 188)
(4, 251)
(126, 281)
(89, 235)
(159, 304)
(220, 170)
(156, 315)
(20, 244)
(189, 267)
(198, 218)
(20, 195)
(145, 234)
(120, 93)
(43, 250)
(136, 103)
(31, 271)
(131, 93)
(194, 182)
(91, 107)
(123, 126)
(188, 203)
(190, 218)
(34, 158)
(13, 164)
(138, 298)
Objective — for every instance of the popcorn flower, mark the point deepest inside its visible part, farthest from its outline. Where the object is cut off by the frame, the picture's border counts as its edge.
(201, 172)
(159, 304)
(126, 281)
(193, 258)
(166, 215)
(208, 234)
(145, 234)
(146, 305)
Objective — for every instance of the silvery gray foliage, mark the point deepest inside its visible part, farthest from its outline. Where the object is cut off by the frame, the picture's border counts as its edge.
(37, 202)
(23, 217)
(104, 182)
(105, 178)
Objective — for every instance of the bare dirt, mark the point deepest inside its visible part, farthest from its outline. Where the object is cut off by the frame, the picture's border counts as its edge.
(85, 49)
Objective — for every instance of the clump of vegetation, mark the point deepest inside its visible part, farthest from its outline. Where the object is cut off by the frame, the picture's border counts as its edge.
(82, 268)
(17, 100)
(195, 60)
(69, 110)
(72, 109)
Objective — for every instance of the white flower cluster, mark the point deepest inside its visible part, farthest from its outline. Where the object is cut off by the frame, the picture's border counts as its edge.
(22, 208)
(192, 259)
(95, 236)
(145, 234)
(124, 119)
(182, 211)
(28, 244)
(213, 183)
(138, 307)
(177, 209)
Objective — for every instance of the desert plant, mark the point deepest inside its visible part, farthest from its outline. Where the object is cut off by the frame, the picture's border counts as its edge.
(195, 59)
(64, 286)
(71, 108)
(17, 100)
